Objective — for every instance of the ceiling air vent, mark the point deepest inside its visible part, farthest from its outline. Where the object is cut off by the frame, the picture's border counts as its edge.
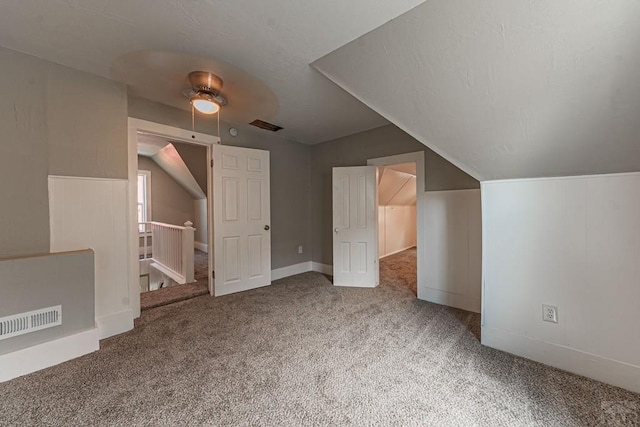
(31, 321)
(265, 125)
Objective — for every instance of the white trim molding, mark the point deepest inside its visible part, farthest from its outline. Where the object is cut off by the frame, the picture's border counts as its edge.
(322, 268)
(115, 323)
(599, 368)
(303, 267)
(398, 251)
(50, 353)
(290, 270)
(201, 247)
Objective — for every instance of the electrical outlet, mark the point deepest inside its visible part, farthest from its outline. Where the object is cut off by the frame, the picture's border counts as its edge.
(550, 313)
(300, 249)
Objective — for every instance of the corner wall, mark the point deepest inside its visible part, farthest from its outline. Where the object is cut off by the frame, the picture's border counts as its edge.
(355, 150)
(170, 202)
(53, 120)
(573, 243)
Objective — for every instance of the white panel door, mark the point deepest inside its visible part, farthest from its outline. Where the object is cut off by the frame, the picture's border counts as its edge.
(355, 226)
(241, 206)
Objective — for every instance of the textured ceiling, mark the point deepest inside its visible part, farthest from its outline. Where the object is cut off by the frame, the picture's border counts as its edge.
(163, 77)
(273, 41)
(507, 89)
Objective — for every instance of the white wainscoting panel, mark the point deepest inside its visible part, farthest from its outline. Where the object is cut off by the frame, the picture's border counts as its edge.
(453, 240)
(572, 242)
(92, 213)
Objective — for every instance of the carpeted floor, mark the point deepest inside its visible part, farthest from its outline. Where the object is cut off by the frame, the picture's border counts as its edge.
(172, 294)
(302, 352)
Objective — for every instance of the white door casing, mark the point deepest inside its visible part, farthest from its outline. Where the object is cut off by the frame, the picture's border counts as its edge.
(241, 204)
(355, 226)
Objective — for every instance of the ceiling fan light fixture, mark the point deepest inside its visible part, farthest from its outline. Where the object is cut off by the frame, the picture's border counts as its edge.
(204, 104)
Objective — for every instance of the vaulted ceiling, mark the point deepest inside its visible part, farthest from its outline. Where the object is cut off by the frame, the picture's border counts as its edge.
(274, 41)
(504, 88)
(501, 88)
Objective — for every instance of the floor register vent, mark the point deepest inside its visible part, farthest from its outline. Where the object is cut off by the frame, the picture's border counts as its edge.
(24, 323)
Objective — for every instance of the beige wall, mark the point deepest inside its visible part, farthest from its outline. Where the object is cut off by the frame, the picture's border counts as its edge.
(53, 120)
(290, 176)
(200, 220)
(396, 229)
(355, 150)
(170, 202)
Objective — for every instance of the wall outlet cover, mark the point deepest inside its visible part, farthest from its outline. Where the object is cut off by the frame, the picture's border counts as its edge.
(549, 313)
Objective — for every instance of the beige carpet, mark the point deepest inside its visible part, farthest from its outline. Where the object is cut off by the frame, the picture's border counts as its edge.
(302, 352)
(172, 294)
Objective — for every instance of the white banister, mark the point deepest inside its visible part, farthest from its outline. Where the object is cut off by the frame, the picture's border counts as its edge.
(144, 230)
(172, 249)
(188, 237)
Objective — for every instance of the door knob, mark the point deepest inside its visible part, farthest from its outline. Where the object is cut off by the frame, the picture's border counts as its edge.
(336, 230)
(266, 227)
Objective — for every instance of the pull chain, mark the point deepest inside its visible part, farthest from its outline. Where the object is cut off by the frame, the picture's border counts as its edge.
(219, 138)
(193, 118)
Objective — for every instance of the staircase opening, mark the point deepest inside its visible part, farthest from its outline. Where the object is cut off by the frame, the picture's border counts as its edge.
(173, 221)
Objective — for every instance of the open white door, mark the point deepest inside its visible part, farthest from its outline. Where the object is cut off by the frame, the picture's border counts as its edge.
(241, 206)
(355, 226)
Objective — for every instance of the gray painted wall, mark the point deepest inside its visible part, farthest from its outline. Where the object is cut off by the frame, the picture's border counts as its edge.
(170, 202)
(57, 121)
(290, 176)
(53, 120)
(355, 150)
(69, 279)
(24, 155)
(195, 157)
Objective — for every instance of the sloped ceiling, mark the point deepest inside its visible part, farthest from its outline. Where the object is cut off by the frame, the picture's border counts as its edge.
(165, 154)
(507, 89)
(396, 188)
(274, 41)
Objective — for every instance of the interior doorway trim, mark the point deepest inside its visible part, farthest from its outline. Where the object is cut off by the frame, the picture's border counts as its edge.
(136, 126)
(421, 200)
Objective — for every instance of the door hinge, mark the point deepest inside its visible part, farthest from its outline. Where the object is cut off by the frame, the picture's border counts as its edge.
(211, 162)
(213, 274)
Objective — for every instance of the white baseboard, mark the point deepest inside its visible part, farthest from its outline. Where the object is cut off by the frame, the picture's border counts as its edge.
(450, 299)
(290, 270)
(599, 368)
(322, 268)
(398, 251)
(40, 356)
(115, 323)
(303, 267)
(201, 247)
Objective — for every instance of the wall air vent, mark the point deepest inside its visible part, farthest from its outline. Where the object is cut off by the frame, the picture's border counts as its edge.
(265, 125)
(24, 323)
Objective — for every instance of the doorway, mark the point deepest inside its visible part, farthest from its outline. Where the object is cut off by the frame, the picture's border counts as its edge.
(397, 234)
(240, 254)
(412, 164)
(355, 222)
(172, 220)
(152, 130)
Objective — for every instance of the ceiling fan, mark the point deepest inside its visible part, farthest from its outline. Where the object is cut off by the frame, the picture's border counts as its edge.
(204, 93)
